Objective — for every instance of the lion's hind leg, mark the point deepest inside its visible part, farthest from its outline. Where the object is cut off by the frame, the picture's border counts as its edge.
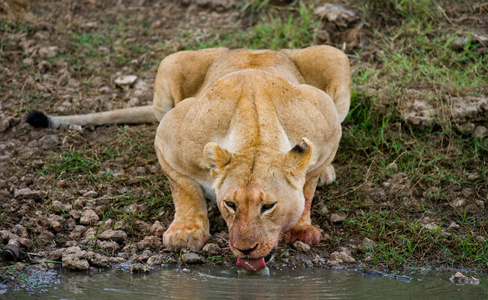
(326, 68)
(328, 176)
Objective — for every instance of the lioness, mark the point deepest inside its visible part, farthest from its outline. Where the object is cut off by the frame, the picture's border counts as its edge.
(254, 130)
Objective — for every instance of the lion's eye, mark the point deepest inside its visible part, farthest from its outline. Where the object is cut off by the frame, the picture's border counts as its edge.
(267, 207)
(231, 205)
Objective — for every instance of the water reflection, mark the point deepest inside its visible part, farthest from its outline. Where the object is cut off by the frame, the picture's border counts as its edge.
(224, 283)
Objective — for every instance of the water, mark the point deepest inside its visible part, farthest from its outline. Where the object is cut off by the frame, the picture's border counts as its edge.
(225, 283)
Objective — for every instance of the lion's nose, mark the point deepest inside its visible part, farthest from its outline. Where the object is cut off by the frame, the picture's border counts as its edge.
(248, 250)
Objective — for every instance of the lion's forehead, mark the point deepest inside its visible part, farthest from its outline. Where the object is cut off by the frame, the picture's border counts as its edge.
(251, 194)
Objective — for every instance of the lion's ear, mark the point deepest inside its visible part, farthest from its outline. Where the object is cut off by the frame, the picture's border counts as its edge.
(216, 158)
(299, 157)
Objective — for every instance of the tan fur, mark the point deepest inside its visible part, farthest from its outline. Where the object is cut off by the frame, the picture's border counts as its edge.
(256, 130)
(230, 120)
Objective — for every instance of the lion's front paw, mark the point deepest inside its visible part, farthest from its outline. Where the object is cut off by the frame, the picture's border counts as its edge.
(309, 234)
(328, 176)
(185, 236)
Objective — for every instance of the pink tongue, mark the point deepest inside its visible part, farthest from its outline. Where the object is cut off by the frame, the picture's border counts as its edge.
(251, 264)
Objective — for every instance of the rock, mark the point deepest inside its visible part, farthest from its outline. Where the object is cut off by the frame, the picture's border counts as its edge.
(454, 225)
(301, 246)
(116, 260)
(89, 25)
(108, 224)
(430, 226)
(20, 230)
(79, 203)
(462, 279)
(458, 202)
(472, 176)
(5, 123)
(104, 50)
(460, 42)
(27, 193)
(157, 229)
(56, 255)
(44, 66)
(6, 235)
(150, 242)
(145, 255)
(480, 132)
(467, 192)
(26, 243)
(63, 80)
(342, 257)
(393, 166)
(139, 170)
(90, 194)
(71, 244)
(59, 207)
(480, 203)
(398, 184)
(322, 209)
(141, 85)
(377, 194)
(48, 141)
(333, 263)
(338, 217)
(140, 268)
(211, 248)
(155, 260)
(336, 14)
(108, 246)
(141, 225)
(366, 244)
(75, 259)
(468, 108)
(28, 61)
(75, 214)
(88, 217)
(46, 236)
(48, 52)
(118, 236)
(192, 258)
(74, 127)
(98, 260)
(55, 222)
(126, 80)
(216, 5)
(105, 90)
(420, 113)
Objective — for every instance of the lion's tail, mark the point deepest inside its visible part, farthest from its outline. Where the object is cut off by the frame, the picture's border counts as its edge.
(132, 115)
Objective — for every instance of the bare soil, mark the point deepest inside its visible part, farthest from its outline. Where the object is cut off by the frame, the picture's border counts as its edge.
(94, 197)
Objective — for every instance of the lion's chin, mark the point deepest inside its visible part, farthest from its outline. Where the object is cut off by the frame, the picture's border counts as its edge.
(252, 265)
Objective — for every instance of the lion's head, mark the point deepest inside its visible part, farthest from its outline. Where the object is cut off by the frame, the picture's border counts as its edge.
(260, 195)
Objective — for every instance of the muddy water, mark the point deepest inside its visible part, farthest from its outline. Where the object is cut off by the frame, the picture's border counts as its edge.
(223, 283)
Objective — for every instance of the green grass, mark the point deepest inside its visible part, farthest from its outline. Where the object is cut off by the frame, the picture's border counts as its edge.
(423, 57)
(412, 46)
(374, 136)
(69, 163)
(275, 29)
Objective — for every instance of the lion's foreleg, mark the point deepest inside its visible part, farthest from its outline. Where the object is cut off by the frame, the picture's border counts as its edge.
(303, 230)
(190, 227)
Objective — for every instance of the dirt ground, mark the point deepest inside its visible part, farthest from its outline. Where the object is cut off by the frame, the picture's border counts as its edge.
(94, 197)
